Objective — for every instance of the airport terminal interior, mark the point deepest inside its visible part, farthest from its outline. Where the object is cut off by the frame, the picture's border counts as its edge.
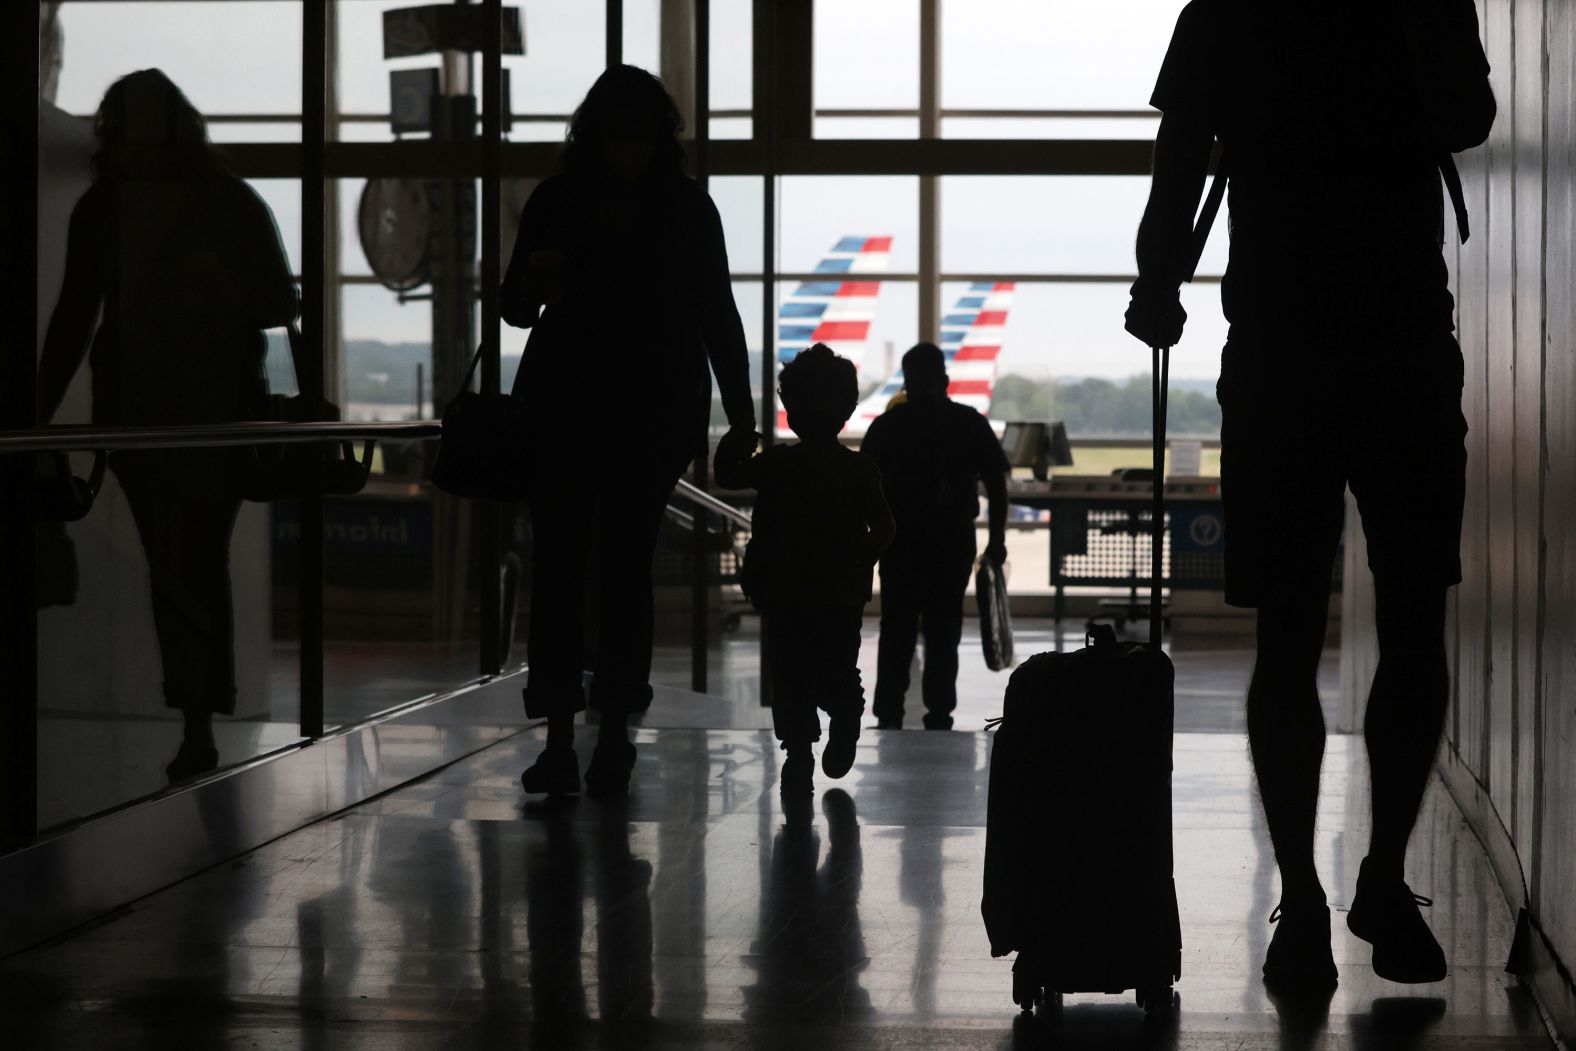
(261, 678)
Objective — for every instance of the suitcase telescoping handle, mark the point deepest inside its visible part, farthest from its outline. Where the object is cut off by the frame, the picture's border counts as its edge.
(1157, 514)
(1161, 372)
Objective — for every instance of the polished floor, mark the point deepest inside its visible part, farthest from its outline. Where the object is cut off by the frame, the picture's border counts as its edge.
(89, 762)
(699, 913)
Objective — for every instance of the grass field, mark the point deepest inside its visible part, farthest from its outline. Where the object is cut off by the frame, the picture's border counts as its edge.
(1098, 460)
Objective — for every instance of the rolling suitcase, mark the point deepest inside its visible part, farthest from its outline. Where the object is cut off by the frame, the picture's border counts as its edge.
(1078, 864)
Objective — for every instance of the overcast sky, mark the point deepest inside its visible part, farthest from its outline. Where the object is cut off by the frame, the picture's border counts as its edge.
(243, 57)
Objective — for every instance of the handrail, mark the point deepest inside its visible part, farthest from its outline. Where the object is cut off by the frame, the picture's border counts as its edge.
(82, 437)
(704, 499)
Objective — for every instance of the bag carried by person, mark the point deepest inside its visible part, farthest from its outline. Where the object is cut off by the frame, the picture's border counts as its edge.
(58, 497)
(289, 471)
(1078, 857)
(990, 595)
(484, 454)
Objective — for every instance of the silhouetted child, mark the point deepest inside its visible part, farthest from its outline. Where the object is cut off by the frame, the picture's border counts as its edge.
(820, 522)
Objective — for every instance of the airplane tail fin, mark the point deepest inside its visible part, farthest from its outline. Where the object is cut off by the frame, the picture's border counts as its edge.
(835, 309)
(971, 339)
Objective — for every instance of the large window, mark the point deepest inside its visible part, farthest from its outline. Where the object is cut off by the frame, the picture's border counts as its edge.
(1011, 238)
(866, 75)
(239, 62)
(1040, 70)
(1066, 243)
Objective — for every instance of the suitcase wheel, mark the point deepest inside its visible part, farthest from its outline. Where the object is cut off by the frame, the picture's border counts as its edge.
(1026, 991)
(1154, 998)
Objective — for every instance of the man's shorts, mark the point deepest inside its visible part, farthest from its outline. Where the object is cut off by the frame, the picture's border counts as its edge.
(1302, 422)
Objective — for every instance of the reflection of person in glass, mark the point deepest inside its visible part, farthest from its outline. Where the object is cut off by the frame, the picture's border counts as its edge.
(184, 261)
(626, 255)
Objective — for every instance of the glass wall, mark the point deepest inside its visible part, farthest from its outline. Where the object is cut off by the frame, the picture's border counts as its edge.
(164, 645)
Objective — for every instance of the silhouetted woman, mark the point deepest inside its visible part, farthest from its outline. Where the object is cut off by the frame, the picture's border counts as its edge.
(185, 263)
(623, 257)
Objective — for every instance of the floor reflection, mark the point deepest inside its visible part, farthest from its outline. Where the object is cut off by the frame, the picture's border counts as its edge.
(810, 949)
(701, 912)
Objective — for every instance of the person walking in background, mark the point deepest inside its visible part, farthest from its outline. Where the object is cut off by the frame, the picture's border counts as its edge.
(1341, 370)
(617, 406)
(933, 453)
(184, 261)
(820, 522)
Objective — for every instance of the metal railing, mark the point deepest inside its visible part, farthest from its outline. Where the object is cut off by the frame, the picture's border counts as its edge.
(701, 498)
(95, 438)
(18, 444)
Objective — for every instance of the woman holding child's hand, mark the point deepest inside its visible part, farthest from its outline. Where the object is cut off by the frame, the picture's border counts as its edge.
(621, 273)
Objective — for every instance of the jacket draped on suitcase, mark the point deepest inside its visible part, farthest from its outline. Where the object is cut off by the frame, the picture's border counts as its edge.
(1078, 876)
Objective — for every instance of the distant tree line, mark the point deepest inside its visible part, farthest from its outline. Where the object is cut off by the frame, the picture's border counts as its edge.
(385, 374)
(1098, 408)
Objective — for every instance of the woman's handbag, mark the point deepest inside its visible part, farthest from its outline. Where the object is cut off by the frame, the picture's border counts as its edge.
(484, 454)
(59, 496)
(292, 470)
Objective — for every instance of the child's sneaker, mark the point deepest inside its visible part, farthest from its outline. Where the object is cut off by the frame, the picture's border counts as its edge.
(842, 738)
(798, 776)
(1384, 913)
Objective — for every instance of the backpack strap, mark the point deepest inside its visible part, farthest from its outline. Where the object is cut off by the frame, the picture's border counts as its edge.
(1447, 168)
(1206, 216)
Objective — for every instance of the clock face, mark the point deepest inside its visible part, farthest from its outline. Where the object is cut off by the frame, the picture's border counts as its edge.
(394, 220)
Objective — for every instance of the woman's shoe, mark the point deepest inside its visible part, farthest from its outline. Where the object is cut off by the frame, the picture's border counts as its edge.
(611, 764)
(191, 761)
(556, 772)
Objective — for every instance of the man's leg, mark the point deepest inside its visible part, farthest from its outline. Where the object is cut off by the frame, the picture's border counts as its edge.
(899, 633)
(1286, 735)
(1408, 473)
(943, 627)
(1406, 714)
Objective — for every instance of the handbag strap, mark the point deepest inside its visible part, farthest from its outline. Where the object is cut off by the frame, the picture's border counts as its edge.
(1206, 216)
(1458, 201)
(476, 359)
(297, 351)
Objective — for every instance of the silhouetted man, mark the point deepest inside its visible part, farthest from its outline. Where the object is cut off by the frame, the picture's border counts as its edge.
(1336, 120)
(933, 453)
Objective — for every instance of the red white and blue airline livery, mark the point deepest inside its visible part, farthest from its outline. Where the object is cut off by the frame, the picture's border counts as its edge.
(838, 310)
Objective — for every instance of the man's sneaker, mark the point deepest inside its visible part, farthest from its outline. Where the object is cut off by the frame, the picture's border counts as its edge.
(889, 723)
(842, 738)
(556, 772)
(798, 776)
(1385, 914)
(938, 722)
(1299, 956)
